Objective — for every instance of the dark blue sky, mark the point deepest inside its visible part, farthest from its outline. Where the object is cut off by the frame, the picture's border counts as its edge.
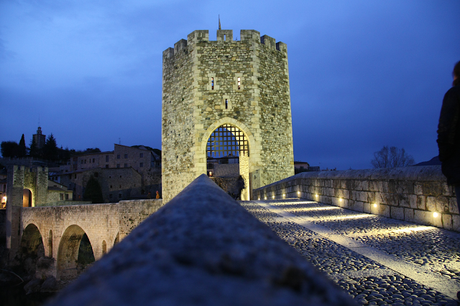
(363, 73)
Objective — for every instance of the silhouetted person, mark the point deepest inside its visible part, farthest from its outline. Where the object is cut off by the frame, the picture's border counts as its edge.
(449, 134)
(239, 188)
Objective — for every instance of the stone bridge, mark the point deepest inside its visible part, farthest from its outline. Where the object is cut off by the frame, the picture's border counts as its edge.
(62, 228)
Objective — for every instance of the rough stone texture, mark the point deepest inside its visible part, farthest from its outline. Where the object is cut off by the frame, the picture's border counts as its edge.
(192, 109)
(104, 224)
(410, 193)
(202, 248)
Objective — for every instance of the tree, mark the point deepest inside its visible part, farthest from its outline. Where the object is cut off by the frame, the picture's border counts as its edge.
(93, 191)
(34, 151)
(10, 149)
(50, 149)
(22, 150)
(391, 157)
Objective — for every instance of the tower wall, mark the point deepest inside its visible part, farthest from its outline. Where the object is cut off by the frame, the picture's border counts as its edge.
(208, 83)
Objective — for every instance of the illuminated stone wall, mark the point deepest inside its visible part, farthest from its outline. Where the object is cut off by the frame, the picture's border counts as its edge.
(244, 83)
(412, 194)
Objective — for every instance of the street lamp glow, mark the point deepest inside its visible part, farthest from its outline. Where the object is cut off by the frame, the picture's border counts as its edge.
(435, 214)
(375, 205)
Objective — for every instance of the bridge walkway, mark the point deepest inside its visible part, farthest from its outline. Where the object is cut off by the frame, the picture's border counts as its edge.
(377, 260)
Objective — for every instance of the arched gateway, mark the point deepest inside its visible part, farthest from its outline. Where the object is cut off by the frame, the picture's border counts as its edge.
(226, 99)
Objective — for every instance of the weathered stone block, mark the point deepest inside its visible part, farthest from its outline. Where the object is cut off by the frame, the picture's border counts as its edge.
(453, 207)
(456, 223)
(423, 217)
(421, 202)
(358, 206)
(397, 213)
(367, 208)
(403, 200)
(412, 201)
(383, 210)
(431, 203)
(447, 221)
(418, 190)
(409, 214)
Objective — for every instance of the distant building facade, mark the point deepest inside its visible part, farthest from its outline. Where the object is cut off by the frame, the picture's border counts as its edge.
(124, 173)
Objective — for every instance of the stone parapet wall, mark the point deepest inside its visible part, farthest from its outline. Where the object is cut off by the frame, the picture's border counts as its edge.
(412, 194)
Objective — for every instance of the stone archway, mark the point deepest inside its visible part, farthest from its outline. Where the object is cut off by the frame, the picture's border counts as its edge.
(229, 141)
(32, 248)
(74, 254)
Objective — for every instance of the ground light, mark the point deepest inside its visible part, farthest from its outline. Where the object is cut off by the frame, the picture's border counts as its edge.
(298, 193)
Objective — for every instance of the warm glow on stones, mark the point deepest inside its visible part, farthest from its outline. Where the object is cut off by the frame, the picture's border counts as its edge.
(413, 229)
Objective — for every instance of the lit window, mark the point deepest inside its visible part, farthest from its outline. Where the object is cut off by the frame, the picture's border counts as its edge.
(239, 83)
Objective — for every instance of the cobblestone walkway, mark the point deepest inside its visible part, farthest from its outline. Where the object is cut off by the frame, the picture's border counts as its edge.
(377, 260)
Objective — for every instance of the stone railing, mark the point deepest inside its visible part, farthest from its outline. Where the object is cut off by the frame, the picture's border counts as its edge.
(417, 194)
(202, 248)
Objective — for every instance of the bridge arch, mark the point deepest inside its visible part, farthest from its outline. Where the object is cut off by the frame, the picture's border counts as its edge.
(75, 252)
(249, 161)
(31, 242)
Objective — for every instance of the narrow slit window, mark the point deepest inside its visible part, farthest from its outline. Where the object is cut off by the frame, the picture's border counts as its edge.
(225, 37)
(226, 104)
(239, 83)
(212, 83)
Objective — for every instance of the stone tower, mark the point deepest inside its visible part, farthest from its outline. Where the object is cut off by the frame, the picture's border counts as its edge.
(226, 97)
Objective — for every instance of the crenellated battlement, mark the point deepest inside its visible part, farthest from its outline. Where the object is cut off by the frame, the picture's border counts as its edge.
(246, 36)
